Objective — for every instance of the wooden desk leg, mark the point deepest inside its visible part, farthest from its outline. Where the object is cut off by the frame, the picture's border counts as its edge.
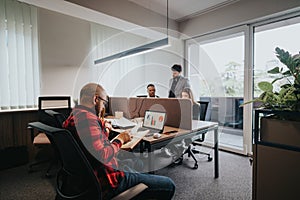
(216, 152)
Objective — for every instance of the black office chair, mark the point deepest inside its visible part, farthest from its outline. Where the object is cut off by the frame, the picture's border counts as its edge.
(52, 118)
(141, 95)
(76, 179)
(191, 143)
(203, 109)
(146, 96)
(51, 111)
(238, 121)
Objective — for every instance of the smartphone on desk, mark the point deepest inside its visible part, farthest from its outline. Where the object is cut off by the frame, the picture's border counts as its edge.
(170, 132)
(113, 134)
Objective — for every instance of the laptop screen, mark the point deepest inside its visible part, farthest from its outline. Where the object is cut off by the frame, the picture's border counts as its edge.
(154, 119)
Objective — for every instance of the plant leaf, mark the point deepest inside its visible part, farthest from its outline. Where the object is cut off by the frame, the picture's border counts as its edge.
(265, 86)
(285, 57)
(286, 85)
(287, 73)
(276, 79)
(275, 70)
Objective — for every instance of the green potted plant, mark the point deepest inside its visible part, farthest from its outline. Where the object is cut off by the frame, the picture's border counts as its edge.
(288, 96)
(283, 102)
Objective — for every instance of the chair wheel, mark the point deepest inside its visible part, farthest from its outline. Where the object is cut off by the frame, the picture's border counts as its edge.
(209, 159)
(195, 166)
(178, 161)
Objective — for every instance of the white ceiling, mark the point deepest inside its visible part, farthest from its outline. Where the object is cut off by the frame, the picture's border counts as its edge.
(181, 10)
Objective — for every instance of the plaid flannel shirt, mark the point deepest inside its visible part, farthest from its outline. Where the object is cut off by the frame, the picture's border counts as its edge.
(94, 137)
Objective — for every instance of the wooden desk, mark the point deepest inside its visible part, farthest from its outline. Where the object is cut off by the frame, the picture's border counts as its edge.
(198, 127)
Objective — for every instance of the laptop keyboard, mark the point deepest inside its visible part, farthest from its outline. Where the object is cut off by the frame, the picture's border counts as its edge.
(150, 133)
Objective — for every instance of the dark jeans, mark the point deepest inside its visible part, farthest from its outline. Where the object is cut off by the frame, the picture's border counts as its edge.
(159, 187)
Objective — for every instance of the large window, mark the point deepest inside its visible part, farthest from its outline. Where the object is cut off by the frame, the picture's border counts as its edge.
(219, 72)
(212, 60)
(283, 34)
(19, 77)
(216, 71)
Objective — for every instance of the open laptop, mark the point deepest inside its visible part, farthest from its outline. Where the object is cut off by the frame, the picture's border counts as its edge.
(154, 121)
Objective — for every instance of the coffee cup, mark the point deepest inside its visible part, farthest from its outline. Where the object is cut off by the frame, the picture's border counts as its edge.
(118, 114)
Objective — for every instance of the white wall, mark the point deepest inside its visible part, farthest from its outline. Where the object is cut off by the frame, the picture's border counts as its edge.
(158, 66)
(64, 43)
(241, 12)
(65, 48)
(129, 11)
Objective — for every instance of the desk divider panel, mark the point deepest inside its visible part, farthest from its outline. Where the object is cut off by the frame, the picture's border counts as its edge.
(179, 111)
(119, 104)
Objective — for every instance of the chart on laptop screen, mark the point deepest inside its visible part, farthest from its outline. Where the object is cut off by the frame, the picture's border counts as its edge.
(154, 119)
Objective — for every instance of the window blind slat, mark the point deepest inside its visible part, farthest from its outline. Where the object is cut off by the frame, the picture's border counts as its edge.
(4, 79)
(19, 77)
(12, 53)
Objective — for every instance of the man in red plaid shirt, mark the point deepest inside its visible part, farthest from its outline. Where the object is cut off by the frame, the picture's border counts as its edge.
(91, 130)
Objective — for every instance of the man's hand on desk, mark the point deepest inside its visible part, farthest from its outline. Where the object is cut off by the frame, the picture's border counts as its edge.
(124, 137)
(108, 125)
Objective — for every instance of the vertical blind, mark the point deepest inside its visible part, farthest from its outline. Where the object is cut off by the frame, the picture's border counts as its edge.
(19, 61)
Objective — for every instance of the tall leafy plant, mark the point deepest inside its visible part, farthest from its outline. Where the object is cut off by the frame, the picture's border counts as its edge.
(288, 96)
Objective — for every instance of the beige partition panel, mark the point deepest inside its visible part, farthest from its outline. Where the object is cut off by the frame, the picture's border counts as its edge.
(119, 104)
(179, 111)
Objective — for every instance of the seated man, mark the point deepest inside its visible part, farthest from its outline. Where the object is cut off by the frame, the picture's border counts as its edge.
(151, 91)
(92, 132)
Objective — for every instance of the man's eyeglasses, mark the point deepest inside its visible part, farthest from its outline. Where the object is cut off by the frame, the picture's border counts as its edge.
(105, 101)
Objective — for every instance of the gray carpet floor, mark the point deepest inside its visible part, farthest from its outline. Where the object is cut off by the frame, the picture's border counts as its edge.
(235, 181)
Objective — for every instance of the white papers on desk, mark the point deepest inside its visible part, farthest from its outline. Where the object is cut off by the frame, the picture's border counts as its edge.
(136, 138)
(122, 122)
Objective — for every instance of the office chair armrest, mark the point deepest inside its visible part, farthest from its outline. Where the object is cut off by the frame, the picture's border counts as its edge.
(131, 192)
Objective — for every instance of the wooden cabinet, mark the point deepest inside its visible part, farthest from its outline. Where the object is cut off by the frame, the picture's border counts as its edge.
(15, 141)
(276, 159)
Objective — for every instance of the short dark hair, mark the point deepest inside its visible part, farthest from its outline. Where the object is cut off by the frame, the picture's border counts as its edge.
(176, 67)
(150, 85)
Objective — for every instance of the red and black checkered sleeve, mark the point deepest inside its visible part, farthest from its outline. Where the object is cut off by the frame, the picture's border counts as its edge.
(92, 133)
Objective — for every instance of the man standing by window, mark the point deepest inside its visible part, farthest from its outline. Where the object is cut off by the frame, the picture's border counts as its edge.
(178, 82)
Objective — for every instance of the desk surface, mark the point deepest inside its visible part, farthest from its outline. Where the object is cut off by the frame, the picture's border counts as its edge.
(196, 126)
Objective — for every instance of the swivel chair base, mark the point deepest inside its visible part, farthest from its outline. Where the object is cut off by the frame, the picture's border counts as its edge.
(191, 151)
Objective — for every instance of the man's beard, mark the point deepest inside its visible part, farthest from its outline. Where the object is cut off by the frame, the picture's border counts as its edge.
(97, 109)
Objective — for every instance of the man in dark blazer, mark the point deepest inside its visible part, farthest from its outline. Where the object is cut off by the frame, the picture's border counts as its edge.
(178, 82)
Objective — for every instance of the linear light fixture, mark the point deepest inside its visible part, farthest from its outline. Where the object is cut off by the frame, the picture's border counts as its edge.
(140, 49)
(143, 48)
